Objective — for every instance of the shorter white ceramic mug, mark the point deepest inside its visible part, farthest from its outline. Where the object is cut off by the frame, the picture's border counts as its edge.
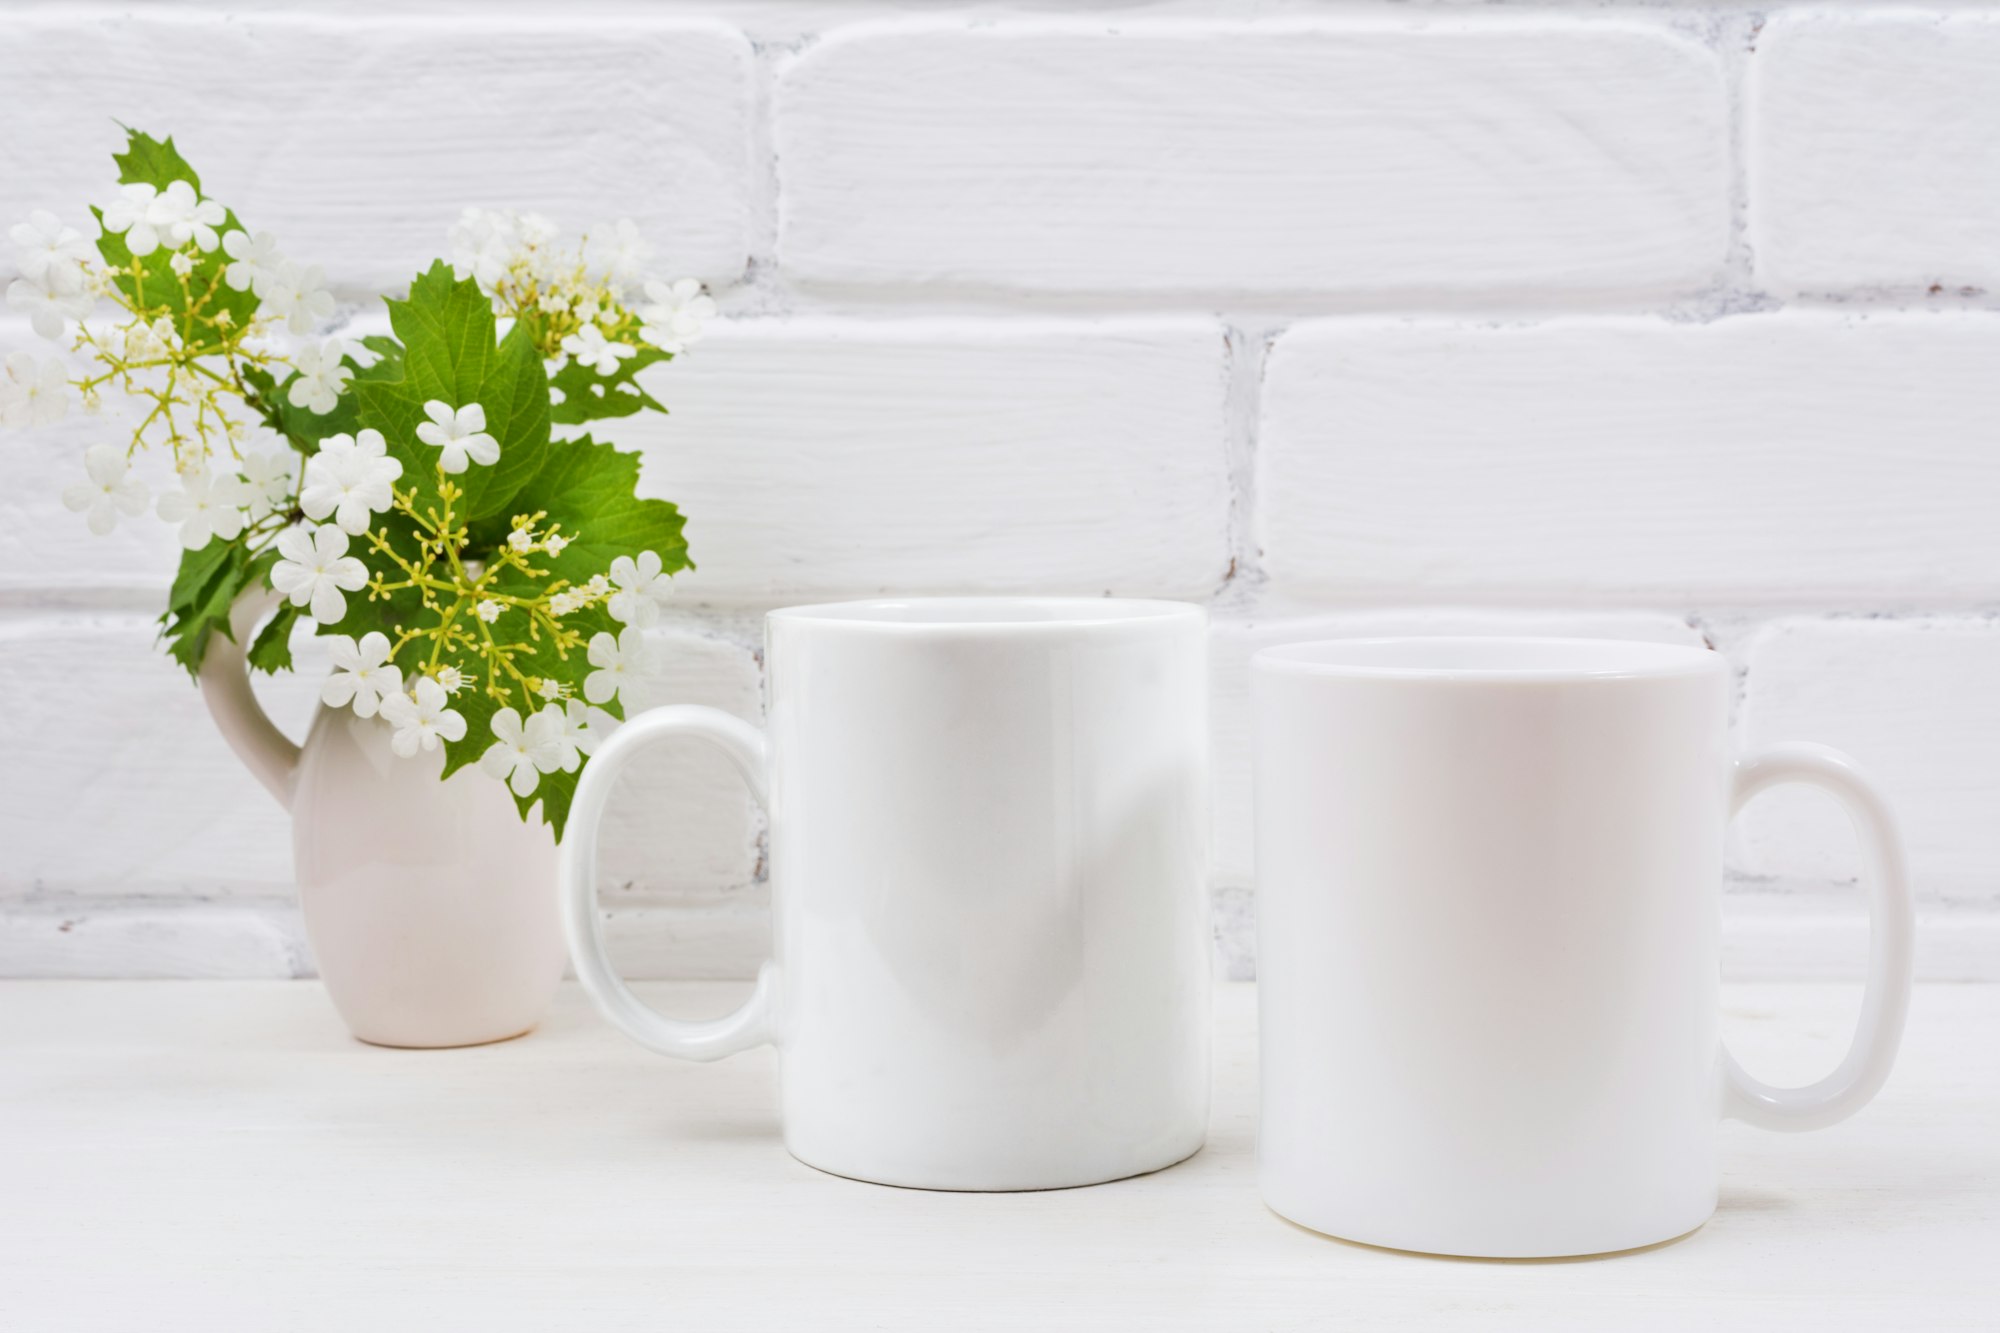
(988, 860)
(1488, 892)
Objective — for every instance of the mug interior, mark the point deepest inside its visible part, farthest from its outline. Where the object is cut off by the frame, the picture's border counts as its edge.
(1487, 658)
(956, 612)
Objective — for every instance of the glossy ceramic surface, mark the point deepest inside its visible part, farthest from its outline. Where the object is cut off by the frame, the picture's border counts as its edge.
(988, 842)
(430, 906)
(1487, 886)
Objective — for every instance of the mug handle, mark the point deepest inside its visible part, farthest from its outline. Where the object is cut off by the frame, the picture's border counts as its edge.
(709, 1040)
(1885, 1003)
(267, 752)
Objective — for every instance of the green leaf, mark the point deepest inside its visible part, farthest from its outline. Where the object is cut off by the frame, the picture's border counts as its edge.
(272, 650)
(155, 287)
(589, 396)
(198, 571)
(590, 490)
(400, 610)
(449, 354)
(301, 424)
(204, 590)
(154, 162)
(389, 362)
(555, 791)
(478, 708)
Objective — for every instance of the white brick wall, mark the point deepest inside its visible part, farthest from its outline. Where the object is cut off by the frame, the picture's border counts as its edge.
(1677, 322)
(826, 458)
(1873, 688)
(1545, 158)
(1764, 456)
(355, 141)
(1875, 151)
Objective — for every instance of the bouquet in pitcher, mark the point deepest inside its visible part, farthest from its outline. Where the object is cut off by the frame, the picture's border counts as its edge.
(429, 500)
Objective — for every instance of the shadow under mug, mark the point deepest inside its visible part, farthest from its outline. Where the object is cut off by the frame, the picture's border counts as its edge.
(988, 880)
(1488, 909)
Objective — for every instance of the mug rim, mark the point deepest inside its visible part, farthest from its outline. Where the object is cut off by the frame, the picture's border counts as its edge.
(1486, 658)
(988, 614)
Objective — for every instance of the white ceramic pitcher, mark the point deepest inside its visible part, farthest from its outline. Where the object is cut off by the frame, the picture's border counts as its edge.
(430, 906)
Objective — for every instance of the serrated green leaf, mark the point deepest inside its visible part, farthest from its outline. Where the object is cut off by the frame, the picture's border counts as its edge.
(589, 396)
(388, 358)
(399, 610)
(449, 354)
(198, 571)
(154, 162)
(302, 423)
(555, 791)
(155, 287)
(271, 651)
(590, 490)
(205, 590)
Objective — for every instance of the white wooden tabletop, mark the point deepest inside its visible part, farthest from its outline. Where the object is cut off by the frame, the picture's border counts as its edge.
(221, 1156)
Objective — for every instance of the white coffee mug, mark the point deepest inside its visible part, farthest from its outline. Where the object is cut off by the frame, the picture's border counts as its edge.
(1488, 901)
(988, 858)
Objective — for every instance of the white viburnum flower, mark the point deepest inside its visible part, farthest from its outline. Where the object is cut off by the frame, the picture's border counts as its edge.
(178, 215)
(674, 318)
(623, 252)
(451, 678)
(536, 228)
(424, 722)
(483, 244)
(554, 543)
(350, 478)
(460, 433)
(589, 347)
(585, 727)
(269, 477)
(181, 264)
(254, 261)
(32, 394)
(48, 303)
(488, 610)
(619, 662)
(298, 295)
(321, 378)
(112, 489)
(362, 675)
(550, 689)
(567, 756)
(520, 754)
(315, 569)
(642, 589)
(48, 252)
(128, 214)
(522, 540)
(206, 506)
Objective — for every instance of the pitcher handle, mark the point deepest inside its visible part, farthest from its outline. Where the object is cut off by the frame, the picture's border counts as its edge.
(750, 1025)
(1885, 1003)
(266, 751)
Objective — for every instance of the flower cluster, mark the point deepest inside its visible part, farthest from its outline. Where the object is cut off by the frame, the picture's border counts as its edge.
(588, 303)
(484, 584)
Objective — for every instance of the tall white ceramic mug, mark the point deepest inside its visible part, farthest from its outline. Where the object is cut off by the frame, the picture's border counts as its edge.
(1488, 877)
(988, 858)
